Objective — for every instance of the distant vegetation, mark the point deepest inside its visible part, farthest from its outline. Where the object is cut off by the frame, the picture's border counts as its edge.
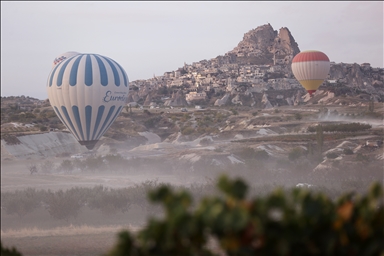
(351, 127)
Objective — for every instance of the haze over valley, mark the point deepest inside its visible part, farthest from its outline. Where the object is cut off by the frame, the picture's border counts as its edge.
(241, 114)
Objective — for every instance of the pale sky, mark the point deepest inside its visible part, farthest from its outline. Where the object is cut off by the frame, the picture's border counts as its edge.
(151, 38)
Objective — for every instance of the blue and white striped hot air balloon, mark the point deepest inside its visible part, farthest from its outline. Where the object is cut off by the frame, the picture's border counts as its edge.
(62, 57)
(87, 92)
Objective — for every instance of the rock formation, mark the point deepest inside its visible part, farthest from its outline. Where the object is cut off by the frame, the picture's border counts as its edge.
(223, 100)
(177, 99)
(265, 46)
(266, 103)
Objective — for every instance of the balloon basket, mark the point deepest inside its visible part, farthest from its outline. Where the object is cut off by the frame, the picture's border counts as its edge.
(90, 144)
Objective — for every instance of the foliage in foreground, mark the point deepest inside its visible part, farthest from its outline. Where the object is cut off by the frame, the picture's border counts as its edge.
(4, 251)
(296, 223)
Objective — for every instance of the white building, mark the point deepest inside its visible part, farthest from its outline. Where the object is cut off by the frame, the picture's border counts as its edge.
(195, 96)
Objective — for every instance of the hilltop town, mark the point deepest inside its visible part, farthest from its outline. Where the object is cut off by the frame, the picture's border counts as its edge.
(256, 73)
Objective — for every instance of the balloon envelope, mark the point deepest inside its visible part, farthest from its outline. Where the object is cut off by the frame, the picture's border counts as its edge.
(310, 68)
(63, 56)
(87, 92)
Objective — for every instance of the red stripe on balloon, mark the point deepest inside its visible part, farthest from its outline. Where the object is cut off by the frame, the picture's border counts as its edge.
(310, 56)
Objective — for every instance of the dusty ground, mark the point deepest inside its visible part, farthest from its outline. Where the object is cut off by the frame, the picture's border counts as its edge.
(39, 234)
(72, 243)
(16, 176)
(51, 237)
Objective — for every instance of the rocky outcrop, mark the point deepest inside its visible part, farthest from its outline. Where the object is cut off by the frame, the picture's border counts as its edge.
(358, 77)
(44, 145)
(264, 45)
(223, 100)
(236, 100)
(133, 97)
(266, 103)
(177, 99)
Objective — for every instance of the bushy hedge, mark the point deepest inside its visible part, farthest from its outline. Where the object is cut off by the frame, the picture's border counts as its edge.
(296, 223)
(5, 251)
(351, 127)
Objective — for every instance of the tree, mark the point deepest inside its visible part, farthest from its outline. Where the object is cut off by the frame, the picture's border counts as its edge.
(43, 128)
(4, 251)
(32, 168)
(47, 166)
(109, 201)
(64, 205)
(234, 111)
(298, 116)
(95, 163)
(295, 154)
(66, 165)
(320, 137)
(371, 106)
(296, 222)
(20, 202)
(80, 164)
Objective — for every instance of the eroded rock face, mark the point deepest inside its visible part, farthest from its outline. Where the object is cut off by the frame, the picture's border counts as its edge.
(133, 97)
(177, 99)
(286, 43)
(222, 101)
(266, 103)
(359, 77)
(41, 146)
(264, 45)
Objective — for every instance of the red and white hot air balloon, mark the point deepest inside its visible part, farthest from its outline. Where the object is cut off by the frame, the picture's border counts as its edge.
(311, 68)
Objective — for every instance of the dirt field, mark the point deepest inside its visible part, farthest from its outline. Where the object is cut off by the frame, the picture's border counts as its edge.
(69, 241)
(91, 233)
(15, 175)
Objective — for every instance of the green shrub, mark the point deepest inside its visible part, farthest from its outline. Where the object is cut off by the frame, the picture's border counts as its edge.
(64, 205)
(20, 203)
(361, 157)
(351, 127)
(295, 153)
(47, 166)
(298, 116)
(109, 201)
(261, 155)
(298, 222)
(94, 163)
(152, 122)
(206, 142)
(348, 151)
(187, 130)
(332, 155)
(43, 128)
(4, 251)
(66, 166)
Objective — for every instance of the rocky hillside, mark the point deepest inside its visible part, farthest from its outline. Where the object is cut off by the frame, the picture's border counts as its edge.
(250, 100)
(263, 45)
(256, 73)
